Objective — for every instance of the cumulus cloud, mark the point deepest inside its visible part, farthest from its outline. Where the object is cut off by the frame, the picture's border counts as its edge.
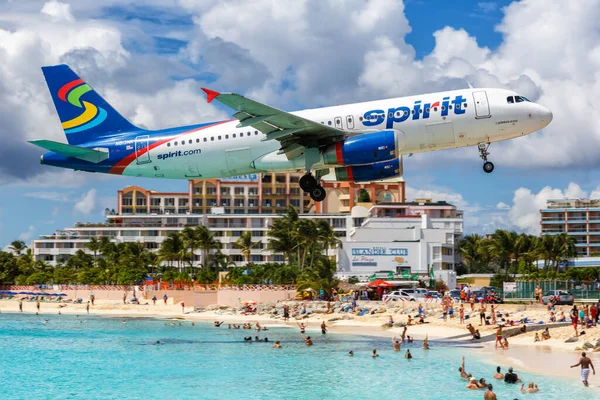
(524, 213)
(86, 203)
(58, 11)
(25, 236)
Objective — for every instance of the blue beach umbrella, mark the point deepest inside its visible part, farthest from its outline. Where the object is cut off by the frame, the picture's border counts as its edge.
(62, 294)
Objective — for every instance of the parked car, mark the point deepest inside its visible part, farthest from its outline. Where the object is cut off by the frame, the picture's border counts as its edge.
(562, 297)
(491, 289)
(432, 294)
(454, 294)
(401, 294)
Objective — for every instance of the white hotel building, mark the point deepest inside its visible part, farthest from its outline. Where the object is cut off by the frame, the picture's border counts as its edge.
(230, 207)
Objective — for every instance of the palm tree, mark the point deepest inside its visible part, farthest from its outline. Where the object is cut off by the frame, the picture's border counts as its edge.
(475, 254)
(281, 234)
(326, 235)
(190, 238)
(563, 249)
(501, 247)
(306, 236)
(174, 249)
(206, 242)
(94, 245)
(245, 244)
(17, 247)
(319, 277)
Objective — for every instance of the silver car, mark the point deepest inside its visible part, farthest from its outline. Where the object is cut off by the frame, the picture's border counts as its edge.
(561, 296)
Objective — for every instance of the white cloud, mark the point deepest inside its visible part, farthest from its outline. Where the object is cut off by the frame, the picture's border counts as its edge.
(487, 6)
(51, 196)
(524, 213)
(86, 203)
(502, 206)
(25, 236)
(58, 11)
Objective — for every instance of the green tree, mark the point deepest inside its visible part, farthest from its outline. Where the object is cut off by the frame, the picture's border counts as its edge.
(363, 196)
(281, 234)
(94, 245)
(17, 247)
(9, 268)
(319, 277)
(245, 244)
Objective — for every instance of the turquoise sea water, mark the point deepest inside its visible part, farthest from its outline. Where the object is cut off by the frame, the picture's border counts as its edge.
(102, 358)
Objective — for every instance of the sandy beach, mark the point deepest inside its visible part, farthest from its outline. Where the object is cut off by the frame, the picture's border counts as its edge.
(549, 357)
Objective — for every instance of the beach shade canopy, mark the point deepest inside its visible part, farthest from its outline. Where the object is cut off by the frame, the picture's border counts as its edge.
(380, 283)
(23, 293)
(62, 294)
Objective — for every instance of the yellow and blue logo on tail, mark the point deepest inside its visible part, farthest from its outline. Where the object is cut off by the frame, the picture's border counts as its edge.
(85, 116)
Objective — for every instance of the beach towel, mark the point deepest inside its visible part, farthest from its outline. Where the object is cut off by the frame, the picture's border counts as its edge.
(585, 373)
(363, 312)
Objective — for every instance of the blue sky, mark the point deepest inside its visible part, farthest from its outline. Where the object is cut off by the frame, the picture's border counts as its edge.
(153, 56)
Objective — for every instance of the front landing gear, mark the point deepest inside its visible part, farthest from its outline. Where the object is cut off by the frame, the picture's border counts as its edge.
(488, 166)
(310, 184)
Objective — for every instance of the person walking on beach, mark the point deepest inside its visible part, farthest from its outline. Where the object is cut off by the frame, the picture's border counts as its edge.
(154, 299)
(498, 336)
(182, 307)
(93, 298)
(586, 364)
(482, 309)
(20, 305)
(165, 297)
(489, 395)
(574, 317)
(87, 307)
(461, 313)
(286, 312)
(37, 304)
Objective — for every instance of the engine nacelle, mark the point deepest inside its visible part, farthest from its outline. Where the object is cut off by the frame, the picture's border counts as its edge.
(368, 173)
(363, 149)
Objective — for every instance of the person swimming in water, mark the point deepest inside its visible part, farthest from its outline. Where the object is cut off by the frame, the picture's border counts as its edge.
(472, 383)
(248, 339)
(217, 324)
(323, 328)
(498, 374)
(531, 388)
(307, 340)
(463, 374)
(277, 345)
(426, 343)
(374, 354)
(158, 342)
(396, 343)
(351, 353)
(408, 355)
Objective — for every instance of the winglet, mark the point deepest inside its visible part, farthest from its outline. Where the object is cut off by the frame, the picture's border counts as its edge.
(210, 94)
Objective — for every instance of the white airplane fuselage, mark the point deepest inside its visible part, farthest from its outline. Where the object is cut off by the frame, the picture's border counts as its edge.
(222, 150)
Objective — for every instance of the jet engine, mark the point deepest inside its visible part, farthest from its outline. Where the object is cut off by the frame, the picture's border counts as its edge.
(365, 149)
(368, 173)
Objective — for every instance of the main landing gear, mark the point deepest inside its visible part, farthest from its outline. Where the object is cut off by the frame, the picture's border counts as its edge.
(488, 166)
(309, 184)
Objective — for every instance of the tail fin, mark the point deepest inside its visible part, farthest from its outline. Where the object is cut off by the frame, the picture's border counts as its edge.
(85, 116)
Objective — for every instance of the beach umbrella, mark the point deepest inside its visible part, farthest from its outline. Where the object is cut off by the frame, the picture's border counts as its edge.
(22, 293)
(380, 283)
(62, 294)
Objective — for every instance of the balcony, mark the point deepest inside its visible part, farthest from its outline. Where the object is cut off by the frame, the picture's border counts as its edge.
(553, 221)
(577, 221)
(575, 233)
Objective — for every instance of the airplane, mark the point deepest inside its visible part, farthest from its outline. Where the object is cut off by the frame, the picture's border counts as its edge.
(359, 142)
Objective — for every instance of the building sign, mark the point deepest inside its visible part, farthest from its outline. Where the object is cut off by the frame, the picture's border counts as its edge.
(510, 287)
(379, 251)
(242, 178)
(367, 256)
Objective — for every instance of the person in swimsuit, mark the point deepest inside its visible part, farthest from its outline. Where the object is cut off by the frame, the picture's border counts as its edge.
(482, 310)
(463, 374)
(531, 388)
(498, 336)
(574, 317)
(307, 340)
(461, 313)
(396, 344)
(472, 383)
(277, 345)
(426, 343)
(489, 395)
(586, 364)
(408, 355)
(302, 327)
(351, 353)
(374, 354)
(498, 374)
(323, 328)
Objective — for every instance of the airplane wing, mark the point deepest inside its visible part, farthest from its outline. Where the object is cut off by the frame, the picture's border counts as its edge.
(294, 133)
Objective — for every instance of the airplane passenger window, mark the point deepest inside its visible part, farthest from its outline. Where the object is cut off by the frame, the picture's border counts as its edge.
(465, 105)
(413, 112)
(256, 132)
(197, 140)
(212, 138)
(205, 139)
(234, 135)
(175, 143)
(226, 136)
(190, 141)
(434, 108)
(360, 118)
(328, 122)
(510, 100)
(458, 106)
(427, 109)
(450, 107)
(248, 134)
(219, 137)
(443, 108)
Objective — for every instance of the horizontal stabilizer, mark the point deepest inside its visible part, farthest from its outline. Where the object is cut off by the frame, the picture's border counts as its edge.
(67, 150)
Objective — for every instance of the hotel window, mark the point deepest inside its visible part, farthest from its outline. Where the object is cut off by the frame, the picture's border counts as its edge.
(239, 190)
(278, 258)
(155, 202)
(295, 203)
(238, 203)
(197, 203)
(169, 202)
(183, 202)
(211, 190)
(257, 258)
(252, 191)
(225, 202)
(225, 191)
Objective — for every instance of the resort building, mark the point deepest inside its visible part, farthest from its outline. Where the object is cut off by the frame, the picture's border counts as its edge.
(579, 218)
(428, 231)
(416, 238)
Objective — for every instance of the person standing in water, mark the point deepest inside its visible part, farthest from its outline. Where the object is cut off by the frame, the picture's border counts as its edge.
(586, 364)
(426, 343)
(408, 355)
(489, 395)
(498, 336)
(323, 328)
(396, 344)
(20, 305)
(374, 353)
(37, 304)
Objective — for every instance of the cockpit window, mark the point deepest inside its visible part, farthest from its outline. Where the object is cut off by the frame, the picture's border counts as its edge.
(519, 99)
(510, 99)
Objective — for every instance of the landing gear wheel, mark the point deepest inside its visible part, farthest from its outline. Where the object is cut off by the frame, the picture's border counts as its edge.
(488, 167)
(318, 194)
(308, 183)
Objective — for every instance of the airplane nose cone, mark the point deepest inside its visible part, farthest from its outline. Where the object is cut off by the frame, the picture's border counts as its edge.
(545, 116)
